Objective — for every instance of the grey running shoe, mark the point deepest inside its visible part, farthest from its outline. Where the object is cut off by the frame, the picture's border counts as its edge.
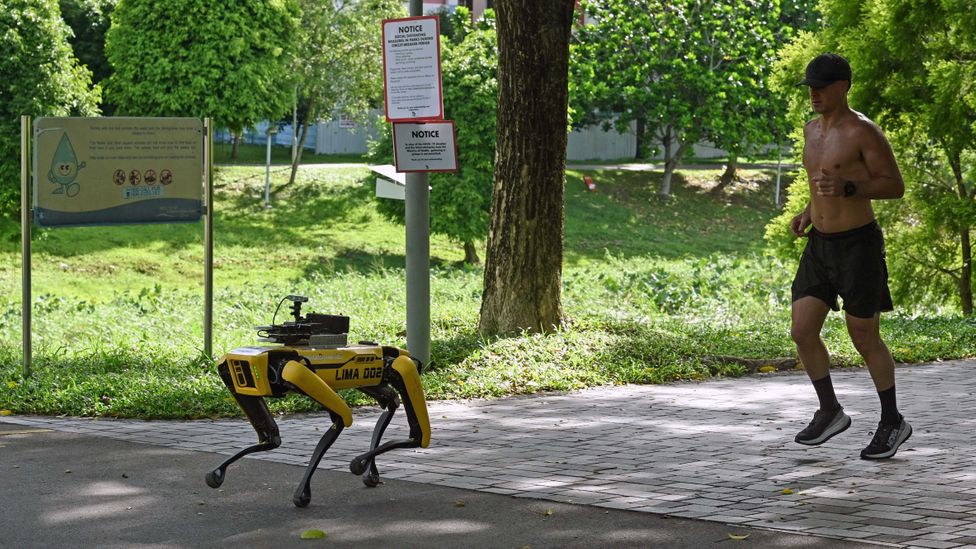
(886, 440)
(825, 424)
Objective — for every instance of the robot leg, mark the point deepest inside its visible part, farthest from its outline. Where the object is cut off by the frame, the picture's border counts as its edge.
(260, 418)
(312, 385)
(405, 379)
(388, 400)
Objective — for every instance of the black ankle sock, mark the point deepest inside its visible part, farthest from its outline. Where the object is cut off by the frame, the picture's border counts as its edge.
(825, 392)
(889, 408)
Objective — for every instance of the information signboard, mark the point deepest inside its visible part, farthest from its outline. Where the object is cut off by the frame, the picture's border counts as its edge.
(412, 69)
(117, 170)
(425, 146)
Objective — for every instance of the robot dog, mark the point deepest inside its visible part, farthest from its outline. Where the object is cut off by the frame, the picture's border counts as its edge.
(312, 358)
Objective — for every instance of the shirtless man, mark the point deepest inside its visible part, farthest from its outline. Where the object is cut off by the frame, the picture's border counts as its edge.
(849, 162)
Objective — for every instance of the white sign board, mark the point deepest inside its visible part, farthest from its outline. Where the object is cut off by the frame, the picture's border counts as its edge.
(389, 171)
(390, 189)
(412, 69)
(425, 146)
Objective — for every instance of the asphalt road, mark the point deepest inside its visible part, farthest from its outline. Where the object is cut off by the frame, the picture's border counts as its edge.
(67, 490)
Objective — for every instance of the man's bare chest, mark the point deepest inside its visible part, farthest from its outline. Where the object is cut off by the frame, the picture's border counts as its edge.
(830, 152)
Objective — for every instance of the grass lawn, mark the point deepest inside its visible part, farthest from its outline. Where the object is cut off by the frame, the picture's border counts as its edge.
(248, 154)
(653, 290)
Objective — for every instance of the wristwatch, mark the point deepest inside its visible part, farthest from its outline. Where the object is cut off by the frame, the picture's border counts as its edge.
(849, 188)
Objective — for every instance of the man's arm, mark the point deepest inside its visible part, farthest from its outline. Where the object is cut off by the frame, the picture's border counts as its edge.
(801, 221)
(884, 176)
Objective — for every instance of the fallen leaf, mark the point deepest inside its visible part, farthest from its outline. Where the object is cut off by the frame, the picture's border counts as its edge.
(547, 513)
(738, 537)
(313, 533)
(787, 492)
(767, 368)
(459, 503)
(5, 413)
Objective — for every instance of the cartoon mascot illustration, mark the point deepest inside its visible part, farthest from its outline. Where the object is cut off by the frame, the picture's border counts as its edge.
(65, 168)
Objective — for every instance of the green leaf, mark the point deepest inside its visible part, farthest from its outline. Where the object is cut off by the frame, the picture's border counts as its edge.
(313, 533)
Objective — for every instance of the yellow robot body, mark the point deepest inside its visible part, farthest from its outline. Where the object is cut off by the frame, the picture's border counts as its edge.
(312, 358)
(342, 368)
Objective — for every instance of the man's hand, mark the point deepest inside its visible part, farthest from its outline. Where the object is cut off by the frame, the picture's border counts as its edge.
(827, 184)
(800, 223)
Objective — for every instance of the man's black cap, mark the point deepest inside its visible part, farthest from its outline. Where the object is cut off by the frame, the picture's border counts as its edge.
(825, 69)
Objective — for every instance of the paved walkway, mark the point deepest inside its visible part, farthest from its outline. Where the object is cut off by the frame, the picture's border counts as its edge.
(718, 451)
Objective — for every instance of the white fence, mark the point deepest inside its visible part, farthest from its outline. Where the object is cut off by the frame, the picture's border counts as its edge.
(348, 137)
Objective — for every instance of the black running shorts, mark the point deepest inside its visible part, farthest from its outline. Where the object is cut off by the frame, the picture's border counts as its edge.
(850, 264)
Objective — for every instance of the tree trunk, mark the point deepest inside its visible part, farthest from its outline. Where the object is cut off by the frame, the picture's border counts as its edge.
(665, 189)
(639, 131)
(523, 264)
(671, 160)
(966, 273)
(304, 123)
(728, 176)
(471, 254)
(235, 140)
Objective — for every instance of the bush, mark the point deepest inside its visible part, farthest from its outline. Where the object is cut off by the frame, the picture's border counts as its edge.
(41, 77)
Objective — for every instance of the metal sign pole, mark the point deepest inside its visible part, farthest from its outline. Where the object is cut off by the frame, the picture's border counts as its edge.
(779, 164)
(25, 237)
(267, 174)
(418, 266)
(208, 237)
(417, 204)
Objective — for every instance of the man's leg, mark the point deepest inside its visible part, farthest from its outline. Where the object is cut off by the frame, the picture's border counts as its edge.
(866, 335)
(892, 429)
(808, 316)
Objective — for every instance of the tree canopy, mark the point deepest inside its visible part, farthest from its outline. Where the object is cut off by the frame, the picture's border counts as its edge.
(684, 71)
(41, 77)
(89, 21)
(227, 60)
(339, 65)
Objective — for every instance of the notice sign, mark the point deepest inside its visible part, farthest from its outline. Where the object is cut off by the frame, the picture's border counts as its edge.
(412, 69)
(116, 170)
(425, 146)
